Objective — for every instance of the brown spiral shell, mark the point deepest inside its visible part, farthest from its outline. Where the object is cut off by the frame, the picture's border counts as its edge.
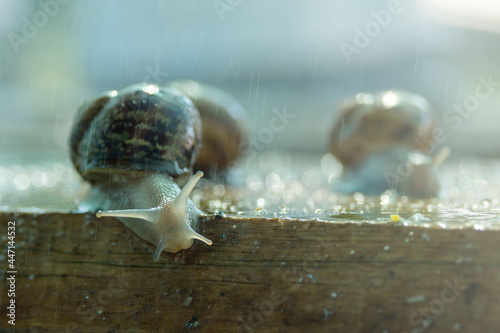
(369, 124)
(223, 120)
(142, 127)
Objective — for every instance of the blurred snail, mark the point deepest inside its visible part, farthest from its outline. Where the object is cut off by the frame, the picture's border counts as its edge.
(383, 142)
(134, 146)
(223, 121)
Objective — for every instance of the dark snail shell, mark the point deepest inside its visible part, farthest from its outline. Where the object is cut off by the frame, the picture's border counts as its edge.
(142, 127)
(223, 121)
(370, 124)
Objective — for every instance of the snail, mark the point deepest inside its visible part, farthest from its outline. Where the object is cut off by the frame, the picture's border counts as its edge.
(383, 142)
(223, 120)
(135, 147)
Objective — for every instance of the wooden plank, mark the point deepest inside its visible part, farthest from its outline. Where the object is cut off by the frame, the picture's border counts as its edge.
(80, 274)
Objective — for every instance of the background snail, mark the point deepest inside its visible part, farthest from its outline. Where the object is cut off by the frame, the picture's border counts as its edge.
(134, 146)
(223, 121)
(383, 142)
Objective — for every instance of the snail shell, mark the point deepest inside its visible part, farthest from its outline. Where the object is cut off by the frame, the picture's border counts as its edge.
(223, 121)
(131, 146)
(382, 141)
(375, 123)
(143, 127)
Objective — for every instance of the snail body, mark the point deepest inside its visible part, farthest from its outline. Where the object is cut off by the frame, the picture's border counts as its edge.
(383, 143)
(408, 172)
(135, 146)
(168, 223)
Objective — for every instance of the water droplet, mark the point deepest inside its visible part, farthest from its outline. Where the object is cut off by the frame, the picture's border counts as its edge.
(219, 190)
(22, 181)
(486, 204)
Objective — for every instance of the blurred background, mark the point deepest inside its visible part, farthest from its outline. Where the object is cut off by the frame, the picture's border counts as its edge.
(298, 56)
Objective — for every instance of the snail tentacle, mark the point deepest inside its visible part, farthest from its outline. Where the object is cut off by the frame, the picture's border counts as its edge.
(151, 215)
(441, 156)
(159, 250)
(181, 200)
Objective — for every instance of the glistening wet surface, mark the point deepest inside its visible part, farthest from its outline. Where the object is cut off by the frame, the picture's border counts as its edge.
(278, 184)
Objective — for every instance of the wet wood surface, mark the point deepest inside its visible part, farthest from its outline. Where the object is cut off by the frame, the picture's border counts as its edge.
(79, 274)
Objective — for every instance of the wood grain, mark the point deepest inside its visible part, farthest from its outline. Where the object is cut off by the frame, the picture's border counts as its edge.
(80, 274)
